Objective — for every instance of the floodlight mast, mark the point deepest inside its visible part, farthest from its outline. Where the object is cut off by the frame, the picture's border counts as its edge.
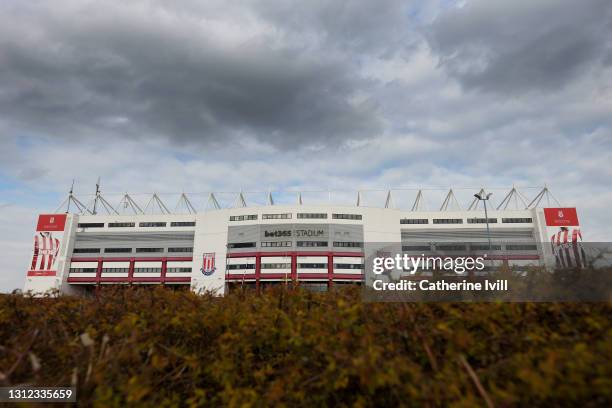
(484, 198)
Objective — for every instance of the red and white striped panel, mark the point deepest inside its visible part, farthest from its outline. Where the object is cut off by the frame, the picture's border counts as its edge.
(567, 248)
(46, 248)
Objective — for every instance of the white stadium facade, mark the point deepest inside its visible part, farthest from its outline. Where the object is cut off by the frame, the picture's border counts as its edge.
(84, 246)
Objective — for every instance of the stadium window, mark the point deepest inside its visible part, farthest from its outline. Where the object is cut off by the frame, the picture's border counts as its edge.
(312, 265)
(481, 220)
(284, 216)
(115, 270)
(275, 266)
(182, 224)
(240, 266)
(149, 249)
(181, 249)
(409, 248)
(147, 270)
(117, 250)
(448, 221)
(86, 251)
(91, 225)
(243, 217)
(414, 221)
(241, 245)
(121, 224)
(343, 244)
(521, 247)
(311, 243)
(152, 224)
(348, 266)
(275, 244)
(312, 215)
(178, 270)
(347, 216)
(484, 247)
(517, 220)
(82, 270)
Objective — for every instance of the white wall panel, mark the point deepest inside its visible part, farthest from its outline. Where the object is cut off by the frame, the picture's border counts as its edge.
(116, 265)
(348, 259)
(238, 261)
(82, 275)
(179, 264)
(83, 265)
(312, 259)
(140, 264)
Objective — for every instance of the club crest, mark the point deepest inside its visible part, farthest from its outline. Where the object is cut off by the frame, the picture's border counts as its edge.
(208, 263)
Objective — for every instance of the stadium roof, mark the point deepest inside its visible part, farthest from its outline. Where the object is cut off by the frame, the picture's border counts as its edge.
(409, 199)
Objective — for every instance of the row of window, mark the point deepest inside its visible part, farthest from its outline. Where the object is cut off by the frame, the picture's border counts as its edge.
(287, 216)
(284, 216)
(235, 267)
(348, 266)
(275, 244)
(347, 216)
(448, 221)
(129, 250)
(82, 270)
(343, 244)
(481, 220)
(312, 215)
(243, 217)
(147, 270)
(126, 270)
(521, 247)
(414, 221)
(115, 270)
(285, 244)
(152, 224)
(237, 245)
(477, 247)
(311, 243)
(469, 221)
(133, 224)
(517, 220)
(178, 270)
(275, 266)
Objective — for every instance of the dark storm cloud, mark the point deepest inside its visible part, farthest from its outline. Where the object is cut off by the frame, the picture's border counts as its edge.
(523, 45)
(92, 71)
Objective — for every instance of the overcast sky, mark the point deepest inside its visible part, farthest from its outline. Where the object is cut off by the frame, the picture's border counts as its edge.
(276, 94)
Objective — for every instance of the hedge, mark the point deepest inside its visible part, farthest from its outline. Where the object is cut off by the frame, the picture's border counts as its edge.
(292, 347)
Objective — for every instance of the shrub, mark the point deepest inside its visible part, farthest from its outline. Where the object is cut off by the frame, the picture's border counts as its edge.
(145, 346)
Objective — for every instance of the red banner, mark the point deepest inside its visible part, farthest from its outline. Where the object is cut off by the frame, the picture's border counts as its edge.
(561, 217)
(51, 222)
(47, 241)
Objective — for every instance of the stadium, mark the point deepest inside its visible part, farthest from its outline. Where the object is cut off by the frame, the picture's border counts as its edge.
(84, 246)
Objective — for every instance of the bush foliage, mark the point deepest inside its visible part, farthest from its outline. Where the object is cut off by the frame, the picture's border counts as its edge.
(165, 347)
